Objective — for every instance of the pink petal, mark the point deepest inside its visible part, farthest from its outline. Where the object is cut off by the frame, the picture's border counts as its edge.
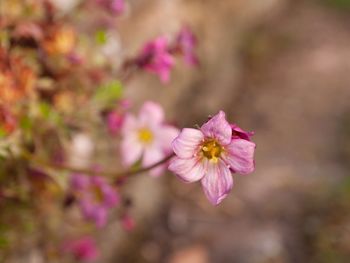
(240, 156)
(217, 182)
(187, 143)
(237, 132)
(166, 135)
(217, 127)
(131, 150)
(189, 170)
(152, 155)
(164, 75)
(129, 124)
(151, 113)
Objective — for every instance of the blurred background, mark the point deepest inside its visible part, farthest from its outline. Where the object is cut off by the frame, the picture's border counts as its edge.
(279, 68)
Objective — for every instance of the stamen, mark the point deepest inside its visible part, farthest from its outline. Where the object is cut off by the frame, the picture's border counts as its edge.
(145, 135)
(211, 149)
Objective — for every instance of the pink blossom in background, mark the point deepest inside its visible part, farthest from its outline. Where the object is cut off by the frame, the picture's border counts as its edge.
(156, 58)
(128, 223)
(147, 137)
(115, 118)
(186, 43)
(115, 6)
(211, 154)
(115, 121)
(83, 249)
(95, 197)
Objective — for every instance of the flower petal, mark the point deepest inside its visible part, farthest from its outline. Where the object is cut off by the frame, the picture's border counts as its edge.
(240, 156)
(165, 136)
(189, 170)
(217, 182)
(151, 113)
(129, 124)
(131, 150)
(152, 155)
(186, 144)
(218, 127)
(237, 132)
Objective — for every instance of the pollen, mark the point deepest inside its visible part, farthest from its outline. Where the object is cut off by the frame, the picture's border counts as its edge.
(211, 149)
(145, 135)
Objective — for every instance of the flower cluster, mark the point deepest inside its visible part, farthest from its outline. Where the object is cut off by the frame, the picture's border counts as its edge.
(211, 154)
(82, 249)
(95, 197)
(62, 107)
(157, 56)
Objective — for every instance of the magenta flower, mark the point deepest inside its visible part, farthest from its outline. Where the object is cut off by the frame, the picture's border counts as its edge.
(185, 43)
(117, 6)
(156, 58)
(83, 249)
(147, 137)
(211, 154)
(95, 197)
(115, 118)
(114, 121)
(128, 223)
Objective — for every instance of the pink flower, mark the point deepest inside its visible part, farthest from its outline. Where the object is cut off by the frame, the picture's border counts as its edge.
(147, 136)
(185, 43)
(115, 118)
(95, 197)
(115, 6)
(156, 58)
(128, 223)
(83, 249)
(211, 154)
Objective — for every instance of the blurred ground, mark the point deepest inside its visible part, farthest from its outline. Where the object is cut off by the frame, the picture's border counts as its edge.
(281, 69)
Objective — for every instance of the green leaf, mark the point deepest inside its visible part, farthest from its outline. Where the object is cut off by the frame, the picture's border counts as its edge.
(45, 109)
(26, 123)
(49, 113)
(341, 4)
(3, 242)
(109, 93)
(3, 133)
(101, 37)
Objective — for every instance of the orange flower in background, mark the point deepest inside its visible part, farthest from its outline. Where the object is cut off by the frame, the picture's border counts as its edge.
(61, 40)
(17, 80)
(8, 122)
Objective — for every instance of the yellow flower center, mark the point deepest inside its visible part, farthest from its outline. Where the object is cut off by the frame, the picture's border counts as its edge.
(211, 149)
(145, 135)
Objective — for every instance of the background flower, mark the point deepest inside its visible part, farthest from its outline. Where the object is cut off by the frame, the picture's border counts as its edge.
(147, 137)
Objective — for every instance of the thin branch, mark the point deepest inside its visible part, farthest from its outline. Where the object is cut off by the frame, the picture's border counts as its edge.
(114, 174)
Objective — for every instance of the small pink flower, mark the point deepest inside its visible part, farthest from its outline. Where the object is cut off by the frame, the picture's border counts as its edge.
(185, 43)
(147, 137)
(115, 118)
(115, 6)
(211, 154)
(128, 223)
(156, 58)
(114, 121)
(95, 197)
(83, 249)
